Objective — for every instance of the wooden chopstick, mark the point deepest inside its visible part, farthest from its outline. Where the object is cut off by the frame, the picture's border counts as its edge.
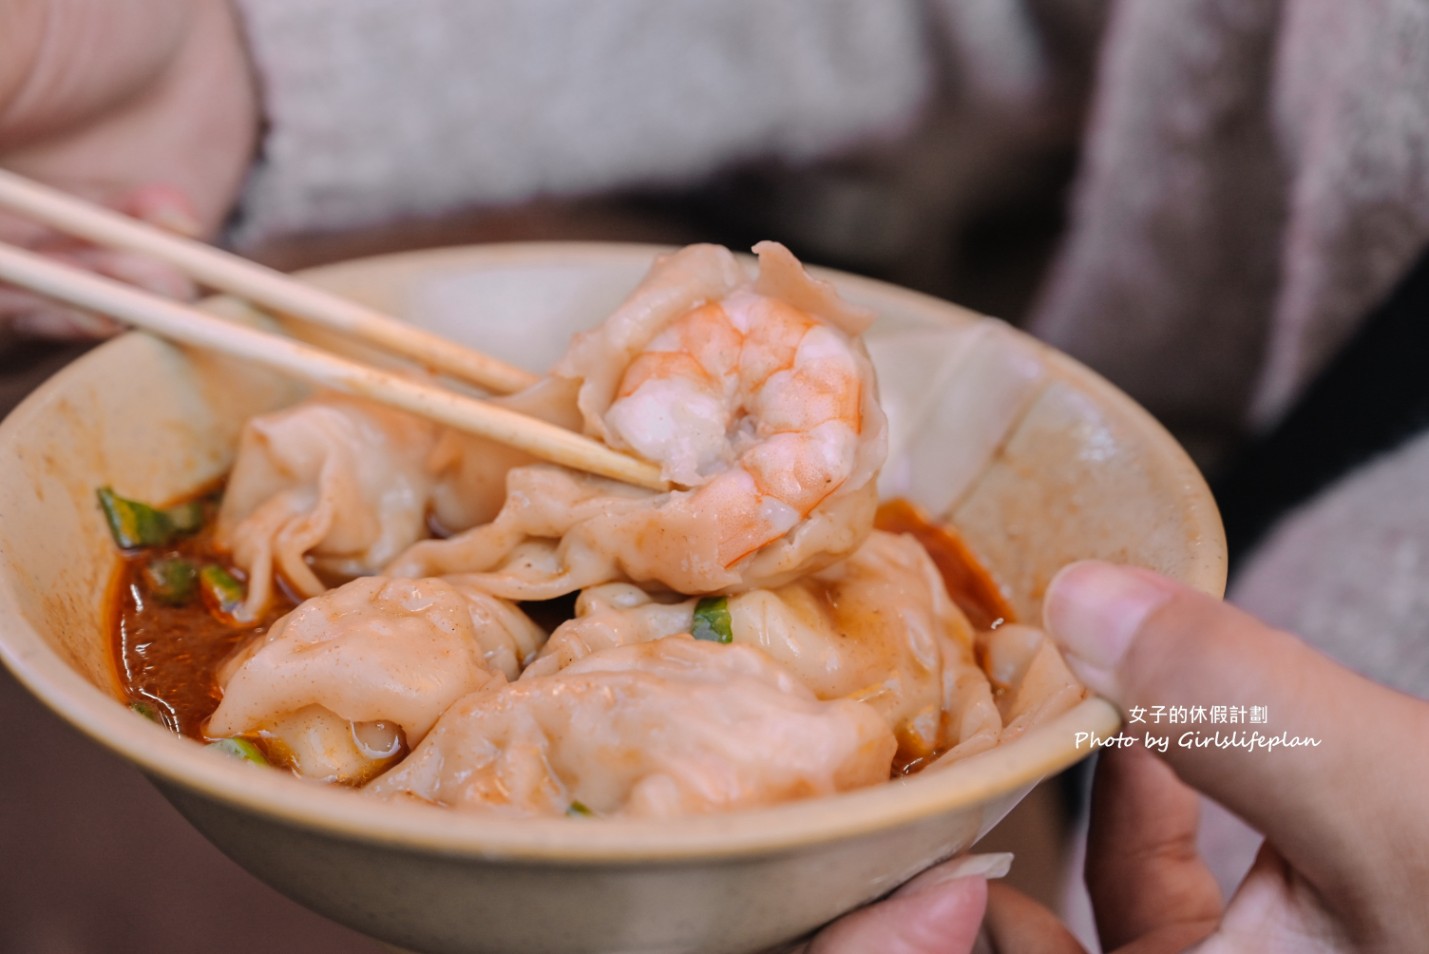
(264, 286)
(180, 323)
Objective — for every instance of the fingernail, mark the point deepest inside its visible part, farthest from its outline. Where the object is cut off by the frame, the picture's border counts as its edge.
(164, 206)
(1094, 611)
(146, 273)
(176, 220)
(64, 324)
(993, 865)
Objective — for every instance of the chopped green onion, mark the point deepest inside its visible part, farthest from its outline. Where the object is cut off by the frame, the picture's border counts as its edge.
(221, 592)
(145, 710)
(712, 621)
(186, 517)
(578, 809)
(171, 580)
(134, 524)
(240, 749)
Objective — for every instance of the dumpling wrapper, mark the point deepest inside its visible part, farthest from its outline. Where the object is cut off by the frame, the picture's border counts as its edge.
(333, 486)
(469, 472)
(878, 627)
(376, 650)
(561, 532)
(1033, 680)
(656, 730)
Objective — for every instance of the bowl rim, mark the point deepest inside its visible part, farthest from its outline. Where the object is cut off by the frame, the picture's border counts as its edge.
(344, 814)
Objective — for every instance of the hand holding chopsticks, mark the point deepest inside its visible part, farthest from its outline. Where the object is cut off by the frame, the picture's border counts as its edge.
(259, 284)
(187, 325)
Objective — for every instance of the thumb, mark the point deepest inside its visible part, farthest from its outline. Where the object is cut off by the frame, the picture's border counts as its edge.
(1144, 642)
(938, 912)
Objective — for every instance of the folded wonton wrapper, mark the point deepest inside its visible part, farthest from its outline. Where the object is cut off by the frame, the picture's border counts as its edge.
(334, 485)
(877, 627)
(656, 729)
(377, 650)
(562, 531)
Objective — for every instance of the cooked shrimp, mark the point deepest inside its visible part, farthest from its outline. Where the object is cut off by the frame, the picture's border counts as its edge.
(753, 401)
(757, 395)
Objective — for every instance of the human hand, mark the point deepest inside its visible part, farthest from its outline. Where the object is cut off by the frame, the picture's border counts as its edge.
(148, 107)
(1345, 865)
(938, 911)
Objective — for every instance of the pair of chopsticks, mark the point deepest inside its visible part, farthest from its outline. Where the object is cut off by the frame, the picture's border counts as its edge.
(223, 271)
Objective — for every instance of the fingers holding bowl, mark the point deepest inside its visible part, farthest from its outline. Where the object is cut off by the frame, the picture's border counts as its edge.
(1146, 642)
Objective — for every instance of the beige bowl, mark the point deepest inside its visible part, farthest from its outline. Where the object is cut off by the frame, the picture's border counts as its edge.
(1036, 460)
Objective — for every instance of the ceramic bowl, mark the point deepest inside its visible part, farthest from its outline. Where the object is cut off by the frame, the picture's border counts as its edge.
(1036, 461)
